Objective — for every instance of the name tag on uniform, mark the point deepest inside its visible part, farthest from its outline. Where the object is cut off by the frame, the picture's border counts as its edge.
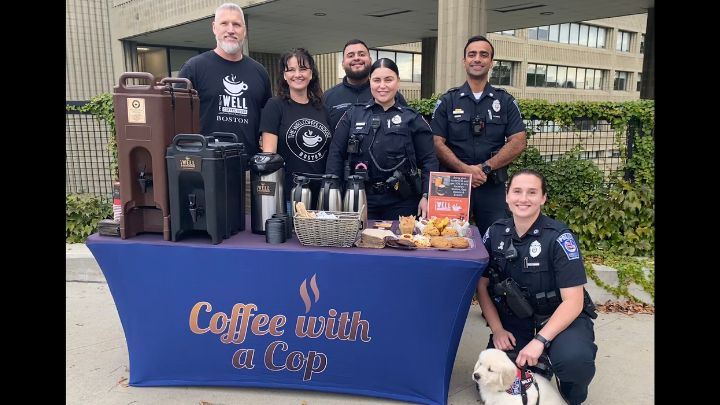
(531, 264)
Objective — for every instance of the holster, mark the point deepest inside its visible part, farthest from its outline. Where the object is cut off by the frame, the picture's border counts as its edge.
(500, 175)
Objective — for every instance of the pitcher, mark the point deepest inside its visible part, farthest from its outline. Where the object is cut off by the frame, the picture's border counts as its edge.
(355, 199)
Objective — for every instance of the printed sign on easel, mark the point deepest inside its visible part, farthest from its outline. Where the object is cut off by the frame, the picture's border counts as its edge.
(449, 195)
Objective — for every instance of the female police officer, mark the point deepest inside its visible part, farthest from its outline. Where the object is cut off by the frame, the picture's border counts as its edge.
(542, 257)
(389, 145)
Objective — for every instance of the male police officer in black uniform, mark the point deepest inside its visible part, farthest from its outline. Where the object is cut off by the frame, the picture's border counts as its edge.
(471, 125)
(535, 267)
(355, 86)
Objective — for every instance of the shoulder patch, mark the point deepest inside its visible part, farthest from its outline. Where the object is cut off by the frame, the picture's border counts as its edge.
(437, 104)
(567, 242)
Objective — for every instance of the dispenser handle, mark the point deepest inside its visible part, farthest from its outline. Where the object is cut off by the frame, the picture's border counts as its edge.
(122, 82)
(179, 80)
(189, 138)
(356, 195)
(326, 196)
(228, 136)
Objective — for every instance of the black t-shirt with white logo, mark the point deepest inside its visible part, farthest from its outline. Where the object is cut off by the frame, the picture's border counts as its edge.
(303, 136)
(232, 95)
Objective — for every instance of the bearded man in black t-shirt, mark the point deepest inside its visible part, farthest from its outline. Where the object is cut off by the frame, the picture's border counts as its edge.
(233, 88)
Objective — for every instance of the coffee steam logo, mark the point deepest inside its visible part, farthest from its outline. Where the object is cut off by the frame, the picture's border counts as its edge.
(305, 295)
(234, 87)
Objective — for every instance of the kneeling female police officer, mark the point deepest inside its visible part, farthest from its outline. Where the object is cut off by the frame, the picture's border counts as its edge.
(536, 257)
(389, 145)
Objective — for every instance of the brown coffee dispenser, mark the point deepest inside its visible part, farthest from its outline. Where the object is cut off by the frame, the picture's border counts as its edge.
(147, 117)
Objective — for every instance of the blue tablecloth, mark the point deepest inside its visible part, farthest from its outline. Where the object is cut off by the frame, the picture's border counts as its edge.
(376, 322)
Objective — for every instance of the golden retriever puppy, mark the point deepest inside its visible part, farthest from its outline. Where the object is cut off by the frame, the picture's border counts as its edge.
(498, 381)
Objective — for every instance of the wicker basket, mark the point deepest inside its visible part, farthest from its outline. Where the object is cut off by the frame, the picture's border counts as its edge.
(340, 232)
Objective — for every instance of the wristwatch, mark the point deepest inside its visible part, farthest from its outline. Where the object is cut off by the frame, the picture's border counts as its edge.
(486, 168)
(424, 195)
(542, 340)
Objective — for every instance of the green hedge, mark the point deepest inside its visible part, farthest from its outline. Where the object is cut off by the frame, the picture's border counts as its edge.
(82, 214)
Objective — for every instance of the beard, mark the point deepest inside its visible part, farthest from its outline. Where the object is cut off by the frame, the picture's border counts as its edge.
(358, 75)
(230, 47)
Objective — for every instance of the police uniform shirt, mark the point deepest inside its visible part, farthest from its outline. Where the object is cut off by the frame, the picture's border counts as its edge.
(454, 113)
(548, 255)
(401, 132)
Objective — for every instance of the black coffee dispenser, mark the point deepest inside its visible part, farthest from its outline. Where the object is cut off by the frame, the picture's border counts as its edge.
(203, 177)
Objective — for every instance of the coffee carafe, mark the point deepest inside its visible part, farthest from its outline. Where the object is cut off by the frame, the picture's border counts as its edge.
(355, 199)
(301, 193)
(329, 198)
(267, 176)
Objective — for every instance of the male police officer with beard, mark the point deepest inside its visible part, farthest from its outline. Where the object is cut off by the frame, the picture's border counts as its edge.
(355, 86)
(471, 125)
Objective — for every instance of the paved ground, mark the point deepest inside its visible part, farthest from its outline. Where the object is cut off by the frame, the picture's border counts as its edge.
(97, 357)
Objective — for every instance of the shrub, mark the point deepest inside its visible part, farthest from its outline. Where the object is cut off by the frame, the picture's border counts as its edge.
(82, 213)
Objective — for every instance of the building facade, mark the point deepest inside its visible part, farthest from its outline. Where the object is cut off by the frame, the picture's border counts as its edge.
(604, 56)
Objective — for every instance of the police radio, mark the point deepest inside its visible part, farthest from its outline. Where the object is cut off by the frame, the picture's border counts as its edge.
(375, 122)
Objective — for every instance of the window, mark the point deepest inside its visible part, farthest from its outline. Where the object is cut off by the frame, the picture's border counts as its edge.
(564, 33)
(506, 32)
(561, 76)
(555, 33)
(623, 41)
(551, 77)
(642, 43)
(540, 75)
(531, 75)
(532, 33)
(621, 79)
(583, 38)
(340, 70)
(501, 73)
(178, 58)
(574, 33)
(580, 79)
(570, 83)
(417, 67)
(602, 33)
(543, 33)
(592, 37)
(599, 79)
(639, 80)
(404, 62)
(163, 61)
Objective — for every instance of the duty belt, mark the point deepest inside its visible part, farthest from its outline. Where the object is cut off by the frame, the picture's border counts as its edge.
(379, 187)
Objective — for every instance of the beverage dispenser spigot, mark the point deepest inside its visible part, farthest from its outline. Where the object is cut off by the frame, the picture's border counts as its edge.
(145, 182)
(195, 211)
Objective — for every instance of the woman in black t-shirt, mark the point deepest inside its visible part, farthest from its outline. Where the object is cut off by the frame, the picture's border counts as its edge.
(294, 123)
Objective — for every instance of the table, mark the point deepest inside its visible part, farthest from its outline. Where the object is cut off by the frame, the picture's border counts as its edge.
(375, 322)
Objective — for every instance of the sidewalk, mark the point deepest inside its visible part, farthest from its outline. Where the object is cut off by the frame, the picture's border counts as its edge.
(97, 365)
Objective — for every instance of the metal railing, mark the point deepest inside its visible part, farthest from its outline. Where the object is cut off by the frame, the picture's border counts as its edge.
(87, 159)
